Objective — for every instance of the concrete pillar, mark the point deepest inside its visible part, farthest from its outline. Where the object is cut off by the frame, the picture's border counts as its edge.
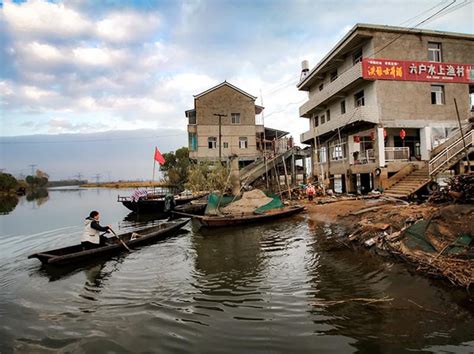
(379, 147)
(304, 170)
(351, 148)
(425, 143)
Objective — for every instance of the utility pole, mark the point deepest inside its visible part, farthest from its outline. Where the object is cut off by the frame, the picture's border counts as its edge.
(33, 169)
(264, 141)
(220, 133)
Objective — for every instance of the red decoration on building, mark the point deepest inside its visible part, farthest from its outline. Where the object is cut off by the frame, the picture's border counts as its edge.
(384, 133)
(403, 134)
(356, 139)
(372, 135)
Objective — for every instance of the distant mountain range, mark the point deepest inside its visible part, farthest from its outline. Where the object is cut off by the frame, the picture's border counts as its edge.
(113, 155)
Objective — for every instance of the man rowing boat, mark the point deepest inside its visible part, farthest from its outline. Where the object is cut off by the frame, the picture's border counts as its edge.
(91, 237)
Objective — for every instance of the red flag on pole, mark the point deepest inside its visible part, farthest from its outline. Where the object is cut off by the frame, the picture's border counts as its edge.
(158, 157)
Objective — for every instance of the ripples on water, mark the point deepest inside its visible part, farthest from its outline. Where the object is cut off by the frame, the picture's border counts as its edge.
(256, 289)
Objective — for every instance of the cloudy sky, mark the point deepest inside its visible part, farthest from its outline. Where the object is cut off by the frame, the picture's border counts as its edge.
(84, 66)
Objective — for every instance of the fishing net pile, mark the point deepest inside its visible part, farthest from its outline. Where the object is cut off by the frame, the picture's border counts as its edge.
(458, 189)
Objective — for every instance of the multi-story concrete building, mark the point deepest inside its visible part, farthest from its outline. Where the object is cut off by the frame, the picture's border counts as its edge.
(384, 97)
(225, 121)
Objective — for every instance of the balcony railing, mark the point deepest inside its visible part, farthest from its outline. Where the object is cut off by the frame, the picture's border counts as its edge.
(364, 113)
(332, 88)
(397, 154)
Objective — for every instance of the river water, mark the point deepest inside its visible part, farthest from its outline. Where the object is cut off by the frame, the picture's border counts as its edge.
(264, 289)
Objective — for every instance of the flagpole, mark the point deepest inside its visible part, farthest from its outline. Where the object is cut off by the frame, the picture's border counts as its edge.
(154, 166)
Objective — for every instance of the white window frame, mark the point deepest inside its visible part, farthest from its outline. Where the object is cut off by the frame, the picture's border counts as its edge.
(212, 142)
(235, 118)
(439, 96)
(435, 53)
(243, 142)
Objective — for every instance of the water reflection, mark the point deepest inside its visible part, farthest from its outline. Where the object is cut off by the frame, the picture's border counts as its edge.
(415, 310)
(8, 204)
(40, 195)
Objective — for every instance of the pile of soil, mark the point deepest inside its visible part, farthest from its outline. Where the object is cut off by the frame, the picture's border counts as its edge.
(248, 203)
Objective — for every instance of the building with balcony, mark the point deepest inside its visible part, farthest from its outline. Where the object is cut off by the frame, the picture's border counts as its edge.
(382, 98)
(226, 121)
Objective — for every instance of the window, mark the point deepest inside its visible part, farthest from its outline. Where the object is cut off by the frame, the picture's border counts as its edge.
(243, 143)
(192, 141)
(192, 117)
(359, 99)
(316, 121)
(437, 94)
(343, 107)
(321, 87)
(333, 75)
(328, 115)
(212, 142)
(323, 119)
(434, 51)
(226, 145)
(235, 117)
(357, 56)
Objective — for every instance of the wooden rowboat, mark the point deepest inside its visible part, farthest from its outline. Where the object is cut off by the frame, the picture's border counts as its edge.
(76, 253)
(222, 221)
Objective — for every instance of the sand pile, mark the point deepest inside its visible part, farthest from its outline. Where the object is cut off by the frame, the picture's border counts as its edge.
(248, 203)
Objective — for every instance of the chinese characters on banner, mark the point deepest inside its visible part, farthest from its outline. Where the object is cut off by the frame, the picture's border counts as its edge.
(384, 69)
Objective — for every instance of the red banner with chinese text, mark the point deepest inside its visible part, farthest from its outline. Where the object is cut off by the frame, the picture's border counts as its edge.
(386, 69)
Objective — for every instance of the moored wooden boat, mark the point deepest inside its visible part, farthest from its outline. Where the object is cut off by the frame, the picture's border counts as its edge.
(234, 220)
(155, 203)
(76, 254)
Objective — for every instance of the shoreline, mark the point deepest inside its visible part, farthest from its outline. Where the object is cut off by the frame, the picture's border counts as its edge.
(423, 236)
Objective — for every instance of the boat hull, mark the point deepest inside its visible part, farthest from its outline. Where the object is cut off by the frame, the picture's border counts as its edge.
(154, 205)
(75, 254)
(225, 221)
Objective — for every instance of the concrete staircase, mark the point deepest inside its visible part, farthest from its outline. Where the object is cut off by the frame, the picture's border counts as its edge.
(412, 182)
(409, 180)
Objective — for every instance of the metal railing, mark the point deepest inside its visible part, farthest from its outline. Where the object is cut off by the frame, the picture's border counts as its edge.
(443, 158)
(397, 153)
(368, 156)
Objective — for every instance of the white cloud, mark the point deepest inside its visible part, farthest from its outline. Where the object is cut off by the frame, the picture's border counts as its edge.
(127, 26)
(98, 56)
(37, 94)
(34, 18)
(44, 52)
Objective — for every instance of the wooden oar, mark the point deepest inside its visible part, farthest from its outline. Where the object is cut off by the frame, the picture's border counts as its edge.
(123, 243)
